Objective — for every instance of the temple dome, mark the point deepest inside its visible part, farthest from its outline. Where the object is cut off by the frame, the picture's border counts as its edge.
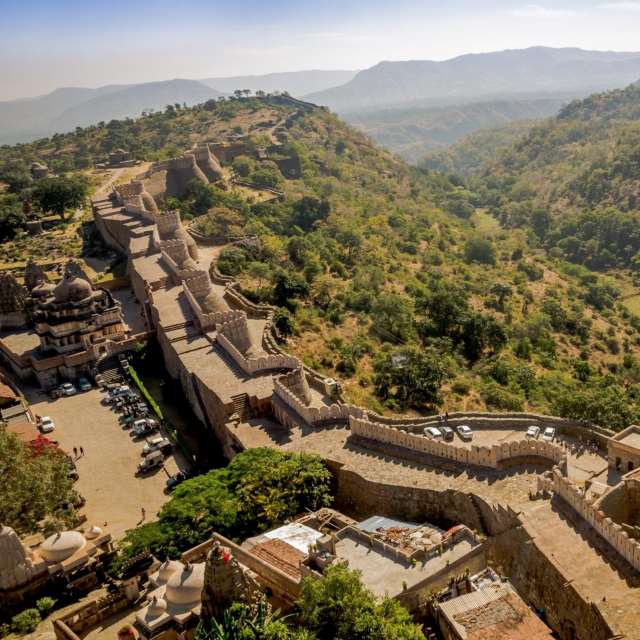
(72, 289)
(167, 569)
(43, 290)
(185, 587)
(212, 303)
(157, 607)
(93, 533)
(61, 546)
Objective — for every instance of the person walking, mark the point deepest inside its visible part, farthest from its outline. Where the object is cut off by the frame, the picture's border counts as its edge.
(143, 511)
(75, 452)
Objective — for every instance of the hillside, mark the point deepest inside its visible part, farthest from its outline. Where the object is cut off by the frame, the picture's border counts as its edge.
(538, 71)
(414, 133)
(384, 276)
(470, 154)
(65, 109)
(575, 180)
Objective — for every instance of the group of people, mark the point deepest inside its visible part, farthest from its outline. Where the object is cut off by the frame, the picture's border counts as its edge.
(76, 451)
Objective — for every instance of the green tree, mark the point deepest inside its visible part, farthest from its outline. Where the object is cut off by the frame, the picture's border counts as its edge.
(478, 249)
(40, 488)
(409, 377)
(259, 489)
(339, 607)
(59, 194)
(392, 316)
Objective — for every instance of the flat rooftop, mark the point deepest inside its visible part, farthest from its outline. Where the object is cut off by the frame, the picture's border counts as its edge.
(151, 268)
(21, 341)
(631, 440)
(384, 574)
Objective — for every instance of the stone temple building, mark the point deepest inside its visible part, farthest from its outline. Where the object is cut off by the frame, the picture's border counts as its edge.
(66, 558)
(74, 315)
(65, 328)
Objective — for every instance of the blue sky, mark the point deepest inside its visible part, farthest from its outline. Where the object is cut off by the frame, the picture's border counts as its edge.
(45, 44)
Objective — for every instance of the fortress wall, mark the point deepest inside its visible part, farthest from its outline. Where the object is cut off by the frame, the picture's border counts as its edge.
(491, 457)
(482, 420)
(252, 366)
(207, 321)
(542, 582)
(606, 528)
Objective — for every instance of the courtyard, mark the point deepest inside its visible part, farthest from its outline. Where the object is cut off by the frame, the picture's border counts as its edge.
(114, 494)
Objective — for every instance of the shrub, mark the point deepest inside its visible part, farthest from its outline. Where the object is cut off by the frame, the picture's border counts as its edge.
(45, 606)
(479, 250)
(26, 621)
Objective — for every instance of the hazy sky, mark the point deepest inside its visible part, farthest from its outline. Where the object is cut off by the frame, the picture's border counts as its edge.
(46, 44)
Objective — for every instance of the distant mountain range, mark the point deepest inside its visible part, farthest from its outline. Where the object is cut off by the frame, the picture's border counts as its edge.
(65, 109)
(411, 107)
(70, 107)
(297, 83)
(518, 73)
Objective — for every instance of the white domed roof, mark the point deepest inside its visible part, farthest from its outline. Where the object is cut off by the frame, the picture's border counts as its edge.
(157, 607)
(185, 587)
(167, 569)
(61, 546)
(93, 533)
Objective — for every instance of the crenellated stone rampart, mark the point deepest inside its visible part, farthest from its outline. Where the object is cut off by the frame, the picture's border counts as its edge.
(605, 527)
(493, 457)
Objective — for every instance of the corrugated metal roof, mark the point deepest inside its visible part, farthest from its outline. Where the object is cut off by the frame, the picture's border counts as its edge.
(374, 523)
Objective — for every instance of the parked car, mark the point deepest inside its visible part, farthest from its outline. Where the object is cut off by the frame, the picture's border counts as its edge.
(176, 479)
(447, 433)
(46, 424)
(154, 460)
(433, 432)
(533, 431)
(144, 426)
(67, 389)
(465, 432)
(158, 443)
(549, 434)
(122, 390)
(84, 384)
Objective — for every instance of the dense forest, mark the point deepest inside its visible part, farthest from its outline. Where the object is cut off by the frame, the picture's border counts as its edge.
(419, 290)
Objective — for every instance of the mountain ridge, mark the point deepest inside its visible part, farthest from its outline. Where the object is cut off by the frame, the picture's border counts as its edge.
(488, 75)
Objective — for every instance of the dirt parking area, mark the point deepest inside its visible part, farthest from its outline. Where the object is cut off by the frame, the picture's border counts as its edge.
(107, 470)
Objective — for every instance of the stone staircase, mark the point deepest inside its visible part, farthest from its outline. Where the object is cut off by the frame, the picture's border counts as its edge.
(109, 370)
(241, 406)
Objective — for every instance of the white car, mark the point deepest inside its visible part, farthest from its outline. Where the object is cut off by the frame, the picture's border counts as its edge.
(549, 434)
(464, 431)
(47, 425)
(533, 431)
(143, 426)
(158, 443)
(433, 432)
(67, 389)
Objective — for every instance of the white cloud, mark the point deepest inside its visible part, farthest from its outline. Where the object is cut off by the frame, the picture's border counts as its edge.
(620, 6)
(538, 11)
